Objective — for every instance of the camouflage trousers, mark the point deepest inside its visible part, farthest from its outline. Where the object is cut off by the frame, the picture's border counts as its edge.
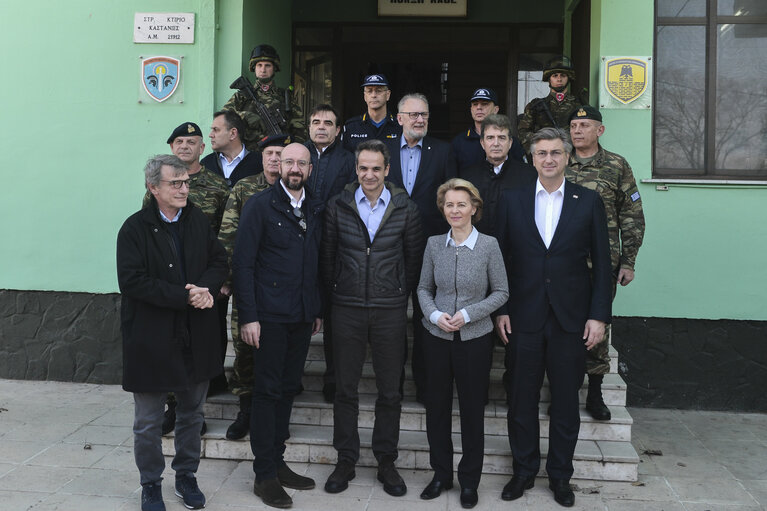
(598, 357)
(241, 381)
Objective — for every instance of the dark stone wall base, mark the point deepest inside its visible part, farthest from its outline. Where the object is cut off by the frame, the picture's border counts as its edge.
(693, 363)
(61, 336)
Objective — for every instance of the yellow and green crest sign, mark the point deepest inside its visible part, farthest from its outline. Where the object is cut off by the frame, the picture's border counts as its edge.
(626, 78)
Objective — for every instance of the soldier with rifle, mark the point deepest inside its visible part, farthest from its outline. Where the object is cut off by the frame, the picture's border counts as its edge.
(554, 110)
(266, 109)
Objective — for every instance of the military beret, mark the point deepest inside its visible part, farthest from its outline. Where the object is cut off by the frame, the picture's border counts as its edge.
(485, 95)
(586, 112)
(188, 129)
(270, 140)
(375, 80)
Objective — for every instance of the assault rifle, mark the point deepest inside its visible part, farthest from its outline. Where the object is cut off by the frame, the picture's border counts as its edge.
(273, 119)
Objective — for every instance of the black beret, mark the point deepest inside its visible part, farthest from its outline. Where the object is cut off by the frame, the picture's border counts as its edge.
(188, 129)
(269, 140)
(586, 112)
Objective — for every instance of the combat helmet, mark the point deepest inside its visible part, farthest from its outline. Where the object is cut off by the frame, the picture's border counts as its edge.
(264, 52)
(559, 64)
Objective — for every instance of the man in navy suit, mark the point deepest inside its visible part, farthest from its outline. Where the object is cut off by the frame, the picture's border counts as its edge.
(547, 232)
(419, 164)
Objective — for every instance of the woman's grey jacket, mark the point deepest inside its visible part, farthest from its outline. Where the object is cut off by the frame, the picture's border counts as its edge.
(455, 278)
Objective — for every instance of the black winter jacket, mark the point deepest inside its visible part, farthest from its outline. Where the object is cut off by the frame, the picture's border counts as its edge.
(159, 328)
(275, 261)
(331, 172)
(378, 274)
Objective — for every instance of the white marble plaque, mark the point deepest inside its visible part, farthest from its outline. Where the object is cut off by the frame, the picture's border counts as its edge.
(163, 27)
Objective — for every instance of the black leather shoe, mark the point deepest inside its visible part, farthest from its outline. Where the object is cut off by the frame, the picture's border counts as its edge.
(598, 409)
(339, 479)
(240, 427)
(517, 486)
(272, 493)
(393, 484)
(169, 420)
(563, 494)
(290, 479)
(434, 489)
(204, 428)
(469, 498)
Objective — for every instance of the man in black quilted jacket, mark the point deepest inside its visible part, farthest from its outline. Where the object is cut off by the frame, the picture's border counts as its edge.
(370, 259)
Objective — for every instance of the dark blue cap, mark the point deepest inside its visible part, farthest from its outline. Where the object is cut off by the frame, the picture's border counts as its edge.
(485, 94)
(375, 80)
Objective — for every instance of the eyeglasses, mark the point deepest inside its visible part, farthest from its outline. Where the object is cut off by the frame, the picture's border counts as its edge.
(415, 115)
(302, 164)
(556, 154)
(177, 183)
(299, 214)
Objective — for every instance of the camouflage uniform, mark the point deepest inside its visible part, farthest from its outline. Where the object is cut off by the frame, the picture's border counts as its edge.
(208, 191)
(610, 175)
(241, 382)
(274, 97)
(535, 116)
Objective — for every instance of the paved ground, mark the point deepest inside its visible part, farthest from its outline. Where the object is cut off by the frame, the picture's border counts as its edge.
(67, 447)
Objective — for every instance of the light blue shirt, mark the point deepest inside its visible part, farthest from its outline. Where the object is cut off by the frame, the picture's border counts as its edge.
(165, 218)
(410, 160)
(372, 214)
(227, 167)
(450, 242)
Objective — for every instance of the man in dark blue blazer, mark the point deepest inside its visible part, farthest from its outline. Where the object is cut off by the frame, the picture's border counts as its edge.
(419, 164)
(558, 308)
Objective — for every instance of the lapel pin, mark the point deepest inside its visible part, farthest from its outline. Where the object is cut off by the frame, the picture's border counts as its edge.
(575, 196)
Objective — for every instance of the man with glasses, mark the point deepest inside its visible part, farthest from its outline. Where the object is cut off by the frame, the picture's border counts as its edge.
(377, 122)
(370, 260)
(419, 164)
(170, 267)
(557, 304)
(279, 307)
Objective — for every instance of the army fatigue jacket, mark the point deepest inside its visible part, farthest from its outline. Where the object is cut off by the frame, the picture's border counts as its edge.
(273, 98)
(245, 188)
(209, 192)
(535, 116)
(611, 176)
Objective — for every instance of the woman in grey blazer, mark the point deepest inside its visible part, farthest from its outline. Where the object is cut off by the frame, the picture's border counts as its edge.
(463, 280)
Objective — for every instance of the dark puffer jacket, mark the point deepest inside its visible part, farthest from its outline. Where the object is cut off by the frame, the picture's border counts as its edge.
(361, 273)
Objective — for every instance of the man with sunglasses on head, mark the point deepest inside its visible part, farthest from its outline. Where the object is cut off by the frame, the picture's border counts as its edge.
(377, 122)
(279, 307)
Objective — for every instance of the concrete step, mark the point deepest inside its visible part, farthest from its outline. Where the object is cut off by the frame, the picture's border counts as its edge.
(310, 408)
(613, 386)
(597, 460)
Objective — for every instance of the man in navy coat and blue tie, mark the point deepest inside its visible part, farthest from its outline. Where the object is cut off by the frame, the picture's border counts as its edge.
(558, 308)
(419, 164)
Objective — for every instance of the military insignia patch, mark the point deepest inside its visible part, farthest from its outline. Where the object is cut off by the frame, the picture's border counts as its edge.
(626, 79)
(160, 76)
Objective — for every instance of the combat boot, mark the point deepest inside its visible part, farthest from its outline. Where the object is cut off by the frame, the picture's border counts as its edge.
(241, 425)
(595, 405)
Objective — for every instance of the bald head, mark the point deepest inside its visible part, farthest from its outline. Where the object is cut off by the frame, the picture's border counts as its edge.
(295, 167)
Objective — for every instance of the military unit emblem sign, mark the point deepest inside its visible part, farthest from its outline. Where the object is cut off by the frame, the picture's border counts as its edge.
(625, 78)
(160, 76)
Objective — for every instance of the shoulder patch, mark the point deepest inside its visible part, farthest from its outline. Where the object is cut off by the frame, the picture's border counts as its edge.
(635, 197)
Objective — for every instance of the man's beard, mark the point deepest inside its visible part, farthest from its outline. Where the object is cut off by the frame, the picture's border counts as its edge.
(293, 186)
(410, 133)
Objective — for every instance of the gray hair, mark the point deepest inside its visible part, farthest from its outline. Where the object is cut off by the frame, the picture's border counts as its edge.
(154, 165)
(412, 95)
(375, 146)
(551, 134)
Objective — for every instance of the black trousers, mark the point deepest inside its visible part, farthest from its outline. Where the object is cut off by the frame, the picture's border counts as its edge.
(329, 378)
(278, 365)
(468, 363)
(355, 328)
(418, 362)
(561, 355)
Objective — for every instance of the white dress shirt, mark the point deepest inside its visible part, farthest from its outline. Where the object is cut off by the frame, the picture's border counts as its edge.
(548, 208)
(293, 202)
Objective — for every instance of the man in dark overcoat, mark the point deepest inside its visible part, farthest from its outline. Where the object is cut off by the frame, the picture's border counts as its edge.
(170, 265)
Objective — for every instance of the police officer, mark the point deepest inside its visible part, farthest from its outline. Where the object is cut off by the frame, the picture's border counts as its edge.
(264, 62)
(466, 145)
(610, 175)
(377, 122)
(554, 110)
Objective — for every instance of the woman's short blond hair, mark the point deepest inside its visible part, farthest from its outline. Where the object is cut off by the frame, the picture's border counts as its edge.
(460, 184)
